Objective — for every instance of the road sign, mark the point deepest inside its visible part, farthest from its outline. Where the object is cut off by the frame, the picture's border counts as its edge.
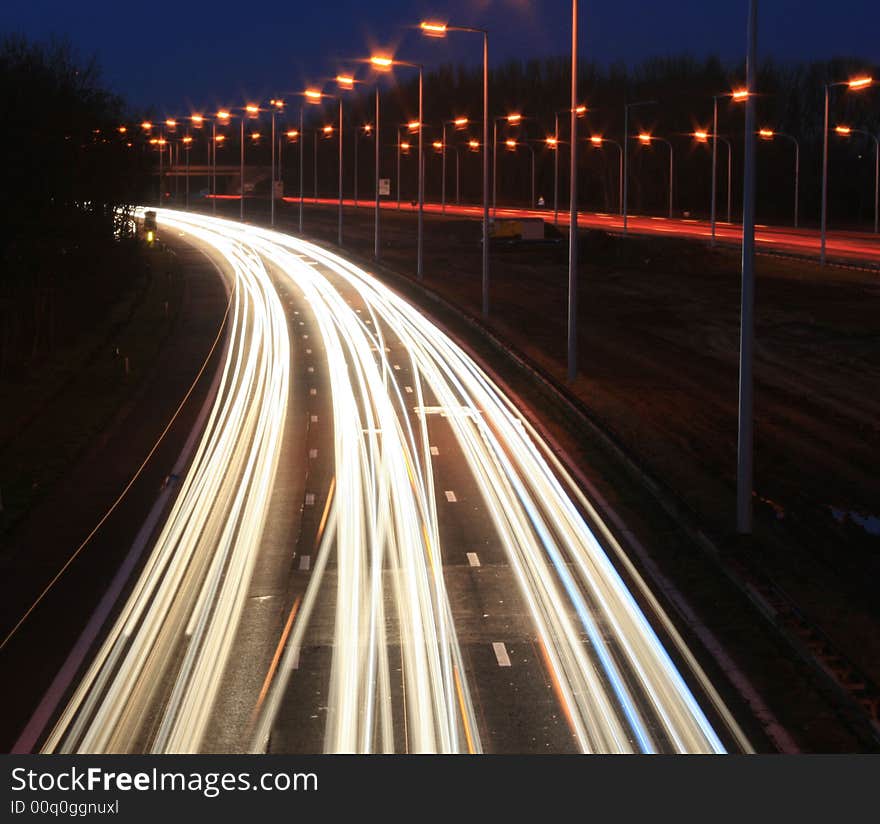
(384, 186)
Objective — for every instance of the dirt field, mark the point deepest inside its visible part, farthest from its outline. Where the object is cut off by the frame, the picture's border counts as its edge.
(659, 322)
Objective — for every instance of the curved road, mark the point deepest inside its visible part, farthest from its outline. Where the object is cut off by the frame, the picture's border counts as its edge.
(446, 587)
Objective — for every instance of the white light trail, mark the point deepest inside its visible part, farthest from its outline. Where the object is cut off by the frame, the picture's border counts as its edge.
(617, 685)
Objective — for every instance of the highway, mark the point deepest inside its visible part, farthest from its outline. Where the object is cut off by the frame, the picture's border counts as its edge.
(443, 586)
(851, 247)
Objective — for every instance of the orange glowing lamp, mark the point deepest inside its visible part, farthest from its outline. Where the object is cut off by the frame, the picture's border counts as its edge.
(223, 115)
(292, 134)
(381, 62)
(767, 134)
(413, 125)
(328, 130)
(437, 144)
(645, 138)
(220, 138)
(845, 131)
(596, 140)
(198, 121)
(345, 81)
(146, 126)
(368, 128)
(432, 28)
(552, 142)
(255, 135)
(313, 95)
(252, 110)
(278, 104)
(701, 135)
(122, 130)
(473, 145)
(187, 140)
(513, 119)
(171, 123)
(405, 146)
(860, 82)
(580, 111)
(511, 144)
(154, 141)
(460, 122)
(740, 94)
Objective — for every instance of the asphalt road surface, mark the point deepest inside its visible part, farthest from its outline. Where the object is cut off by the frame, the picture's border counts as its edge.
(372, 551)
(854, 247)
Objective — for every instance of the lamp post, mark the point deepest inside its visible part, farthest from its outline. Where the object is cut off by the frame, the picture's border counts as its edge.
(769, 134)
(459, 123)
(403, 146)
(702, 136)
(277, 106)
(376, 249)
(625, 174)
(739, 96)
(646, 140)
(439, 30)
(384, 63)
(846, 131)
(580, 111)
(856, 84)
(598, 141)
(745, 436)
(512, 145)
(223, 117)
(366, 129)
(187, 145)
(512, 120)
(252, 112)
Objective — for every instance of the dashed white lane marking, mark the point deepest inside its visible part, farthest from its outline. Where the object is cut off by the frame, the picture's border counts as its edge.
(450, 496)
(308, 351)
(501, 653)
(473, 559)
(314, 418)
(396, 367)
(313, 453)
(302, 323)
(310, 499)
(435, 450)
(313, 391)
(294, 658)
(310, 369)
(408, 390)
(305, 337)
(304, 563)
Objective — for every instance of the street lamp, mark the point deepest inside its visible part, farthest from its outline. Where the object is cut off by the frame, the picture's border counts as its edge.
(702, 136)
(511, 120)
(769, 134)
(738, 96)
(846, 131)
(580, 111)
(251, 112)
(277, 106)
(403, 147)
(384, 63)
(598, 141)
(459, 123)
(646, 140)
(854, 84)
(625, 175)
(439, 30)
(366, 130)
(187, 145)
(513, 145)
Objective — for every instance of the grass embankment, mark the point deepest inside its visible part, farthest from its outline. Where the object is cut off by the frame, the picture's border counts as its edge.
(57, 409)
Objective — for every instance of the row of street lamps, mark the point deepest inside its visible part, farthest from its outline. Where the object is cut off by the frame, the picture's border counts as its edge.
(385, 63)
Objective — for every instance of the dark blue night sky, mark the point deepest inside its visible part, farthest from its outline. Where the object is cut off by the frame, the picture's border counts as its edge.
(174, 54)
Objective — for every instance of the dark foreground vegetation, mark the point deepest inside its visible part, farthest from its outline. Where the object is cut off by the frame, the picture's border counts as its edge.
(67, 186)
